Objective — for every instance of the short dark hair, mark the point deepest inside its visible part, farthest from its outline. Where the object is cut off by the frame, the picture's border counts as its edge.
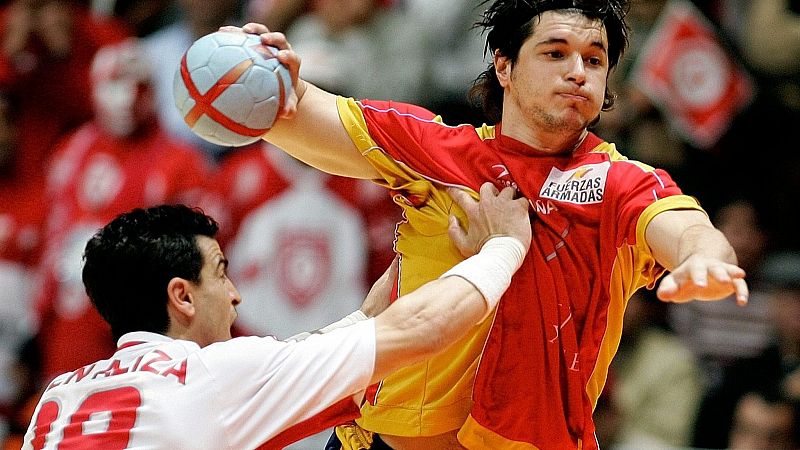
(508, 23)
(129, 262)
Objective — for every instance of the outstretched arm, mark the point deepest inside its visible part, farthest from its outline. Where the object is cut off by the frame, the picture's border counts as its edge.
(701, 261)
(309, 127)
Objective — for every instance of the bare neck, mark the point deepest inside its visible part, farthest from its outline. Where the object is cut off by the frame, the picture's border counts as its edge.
(551, 142)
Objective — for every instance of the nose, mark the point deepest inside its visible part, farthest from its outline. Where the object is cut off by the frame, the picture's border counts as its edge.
(576, 71)
(236, 298)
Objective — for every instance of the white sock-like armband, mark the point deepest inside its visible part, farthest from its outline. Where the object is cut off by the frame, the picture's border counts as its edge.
(350, 319)
(490, 270)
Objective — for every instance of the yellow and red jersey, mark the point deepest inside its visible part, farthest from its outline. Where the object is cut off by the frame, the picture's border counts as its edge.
(542, 362)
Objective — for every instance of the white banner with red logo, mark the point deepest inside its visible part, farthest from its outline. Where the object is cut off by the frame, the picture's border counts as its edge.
(688, 74)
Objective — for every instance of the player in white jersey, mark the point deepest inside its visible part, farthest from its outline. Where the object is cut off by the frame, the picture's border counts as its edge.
(179, 381)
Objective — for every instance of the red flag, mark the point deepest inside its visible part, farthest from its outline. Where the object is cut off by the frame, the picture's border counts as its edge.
(688, 74)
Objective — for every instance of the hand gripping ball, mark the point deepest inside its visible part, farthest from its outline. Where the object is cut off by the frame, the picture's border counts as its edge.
(230, 87)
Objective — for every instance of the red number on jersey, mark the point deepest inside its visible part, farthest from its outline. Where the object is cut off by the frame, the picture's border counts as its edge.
(43, 420)
(120, 405)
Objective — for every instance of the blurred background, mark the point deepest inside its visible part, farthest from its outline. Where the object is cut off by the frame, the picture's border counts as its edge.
(708, 90)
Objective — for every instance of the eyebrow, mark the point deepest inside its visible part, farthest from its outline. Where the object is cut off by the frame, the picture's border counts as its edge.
(551, 41)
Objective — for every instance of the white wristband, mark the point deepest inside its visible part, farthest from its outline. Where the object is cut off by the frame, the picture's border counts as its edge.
(490, 270)
(354, 317)
(350, 319)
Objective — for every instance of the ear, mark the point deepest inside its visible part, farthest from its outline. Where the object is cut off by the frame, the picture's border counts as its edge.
(502, 68)
(179, 300)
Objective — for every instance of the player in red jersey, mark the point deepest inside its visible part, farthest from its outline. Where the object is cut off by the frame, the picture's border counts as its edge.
(605, 226)
(160, 279)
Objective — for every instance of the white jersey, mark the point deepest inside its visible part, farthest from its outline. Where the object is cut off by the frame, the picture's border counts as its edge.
(160, 393)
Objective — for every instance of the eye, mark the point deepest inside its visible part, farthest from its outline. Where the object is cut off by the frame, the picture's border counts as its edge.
(595, 61)
(555, 54)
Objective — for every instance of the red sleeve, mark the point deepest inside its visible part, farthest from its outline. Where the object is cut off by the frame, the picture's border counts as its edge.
(416, 137)
(635, 189)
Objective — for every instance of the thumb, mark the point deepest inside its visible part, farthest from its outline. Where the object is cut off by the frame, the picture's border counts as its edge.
(668, 289)
(458, 236)
(462, 199)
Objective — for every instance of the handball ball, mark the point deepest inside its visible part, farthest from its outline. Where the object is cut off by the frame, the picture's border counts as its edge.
(230, 87)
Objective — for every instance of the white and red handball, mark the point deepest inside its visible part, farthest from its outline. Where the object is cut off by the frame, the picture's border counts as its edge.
(230, 87)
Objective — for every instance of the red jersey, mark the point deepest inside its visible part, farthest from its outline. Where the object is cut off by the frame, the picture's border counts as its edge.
(546, 357)
(22, 212)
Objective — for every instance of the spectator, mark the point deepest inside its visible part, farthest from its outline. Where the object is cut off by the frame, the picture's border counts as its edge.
(46, 51)
(778, 365)
(765, 420)
(657, 381)
(26, 371)
(359, 47)
(721, 333)
(165, 48)
(21, 213)
(451, 46)
(143, 16)
(278, 15)
(769, 40)
(120, 160)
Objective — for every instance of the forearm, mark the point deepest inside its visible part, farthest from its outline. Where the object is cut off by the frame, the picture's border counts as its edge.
(706, 241)
(434, 316)
(316, 136)
(424, 322)
(674, 236)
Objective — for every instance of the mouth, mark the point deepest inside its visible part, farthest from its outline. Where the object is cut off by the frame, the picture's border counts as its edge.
(574, 96)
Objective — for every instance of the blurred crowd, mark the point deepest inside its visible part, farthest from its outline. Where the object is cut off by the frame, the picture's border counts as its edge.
(88, 129)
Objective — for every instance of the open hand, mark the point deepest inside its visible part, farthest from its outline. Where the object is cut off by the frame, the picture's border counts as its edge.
(701, 278)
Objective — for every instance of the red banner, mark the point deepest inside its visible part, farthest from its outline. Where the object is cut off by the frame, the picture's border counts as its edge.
(688, 74)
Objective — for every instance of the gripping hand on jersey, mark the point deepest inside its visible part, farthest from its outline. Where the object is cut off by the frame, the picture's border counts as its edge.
(497, 214)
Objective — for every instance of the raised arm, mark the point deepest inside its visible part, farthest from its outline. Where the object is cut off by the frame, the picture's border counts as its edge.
(701, 261)
(427, 320)
(308, 127)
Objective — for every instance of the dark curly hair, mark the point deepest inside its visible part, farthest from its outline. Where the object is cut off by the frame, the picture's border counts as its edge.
(508, 23)
(129, 262)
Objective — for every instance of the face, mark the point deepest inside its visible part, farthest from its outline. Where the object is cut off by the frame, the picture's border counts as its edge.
(739, 223)
(759, 425)
(122, 105)
(558, 82)
(785, 311)
(343, 14)
(206, 16)
(215, 298)
(122, 89)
